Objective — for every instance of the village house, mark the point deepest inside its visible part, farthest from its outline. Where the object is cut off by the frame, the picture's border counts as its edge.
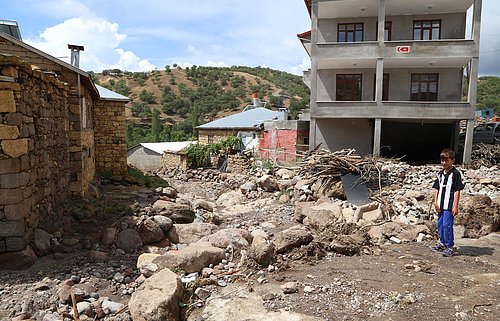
(387, 77)
(151, 157)
(57, 130)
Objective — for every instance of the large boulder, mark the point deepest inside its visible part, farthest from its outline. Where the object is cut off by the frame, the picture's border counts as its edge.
(248, 187)
(158, 298)
(229, 199)
(41, 242)
(17, 260)
(177, 212)
(238, 238)
(404, 232)
(262, 251)
(129, 240)
(164, 222)
(190, 233)
(291, 238)
(192, 258)
(267, 183)
(150, 231)
(319, 217)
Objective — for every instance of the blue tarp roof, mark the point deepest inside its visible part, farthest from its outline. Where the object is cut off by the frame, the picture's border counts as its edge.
(246, 119)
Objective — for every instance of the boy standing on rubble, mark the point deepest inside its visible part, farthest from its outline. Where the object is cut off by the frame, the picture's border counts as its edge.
(448, 185)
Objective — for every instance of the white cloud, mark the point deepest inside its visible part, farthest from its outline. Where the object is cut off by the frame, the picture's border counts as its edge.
(101, 40)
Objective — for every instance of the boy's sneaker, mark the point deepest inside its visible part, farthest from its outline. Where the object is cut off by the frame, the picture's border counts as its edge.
(438, 248)
(449, 252)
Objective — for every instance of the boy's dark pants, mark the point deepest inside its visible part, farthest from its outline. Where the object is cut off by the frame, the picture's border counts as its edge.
(445, 228)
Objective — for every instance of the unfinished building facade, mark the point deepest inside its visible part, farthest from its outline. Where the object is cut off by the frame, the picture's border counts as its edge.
(387, 76)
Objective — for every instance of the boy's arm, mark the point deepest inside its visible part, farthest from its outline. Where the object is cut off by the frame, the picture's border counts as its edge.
(456, 199)
(436, 205)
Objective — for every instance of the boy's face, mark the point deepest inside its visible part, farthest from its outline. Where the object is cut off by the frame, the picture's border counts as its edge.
(447, 163)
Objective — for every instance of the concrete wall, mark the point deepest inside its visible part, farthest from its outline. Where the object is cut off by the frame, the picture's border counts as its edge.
(336, 134)
(110, 137)
(144, 159)
(452, 26)
(34, 155)
(449, 85)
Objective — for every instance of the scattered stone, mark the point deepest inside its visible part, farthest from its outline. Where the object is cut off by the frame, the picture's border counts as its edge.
(289, 287)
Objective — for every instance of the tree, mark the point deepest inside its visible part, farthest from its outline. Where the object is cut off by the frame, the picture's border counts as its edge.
(147, 97)
(155, 125)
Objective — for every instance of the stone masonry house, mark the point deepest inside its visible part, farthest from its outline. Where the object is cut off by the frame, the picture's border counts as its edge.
(248, 125)
(387, 76)
(57, 129)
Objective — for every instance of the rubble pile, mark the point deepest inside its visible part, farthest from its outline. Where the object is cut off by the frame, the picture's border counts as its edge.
(484, 155)
(170, 255)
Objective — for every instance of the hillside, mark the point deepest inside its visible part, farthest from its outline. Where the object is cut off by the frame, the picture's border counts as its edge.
(166, 105)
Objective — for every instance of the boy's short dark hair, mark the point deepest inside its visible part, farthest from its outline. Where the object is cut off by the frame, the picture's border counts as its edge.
(447, 153)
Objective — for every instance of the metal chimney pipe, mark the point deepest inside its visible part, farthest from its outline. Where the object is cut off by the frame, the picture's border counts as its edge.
(75, 54)
(255, 99)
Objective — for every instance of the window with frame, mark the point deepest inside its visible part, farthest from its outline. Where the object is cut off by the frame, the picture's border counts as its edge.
(348, 87)
(387, 30)
(426, 29)
(424, 87)
(350, 32)
(385, 86)
(210, 139)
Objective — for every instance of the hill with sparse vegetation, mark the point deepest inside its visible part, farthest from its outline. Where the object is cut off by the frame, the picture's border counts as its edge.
(167, 105)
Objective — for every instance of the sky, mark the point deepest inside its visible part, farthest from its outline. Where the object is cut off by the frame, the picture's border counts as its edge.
(144, 35)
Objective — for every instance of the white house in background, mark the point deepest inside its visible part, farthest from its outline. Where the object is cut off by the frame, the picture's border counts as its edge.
(147, 156)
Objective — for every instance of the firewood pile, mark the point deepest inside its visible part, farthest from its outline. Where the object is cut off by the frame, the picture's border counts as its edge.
(484, 155)
(324, 164)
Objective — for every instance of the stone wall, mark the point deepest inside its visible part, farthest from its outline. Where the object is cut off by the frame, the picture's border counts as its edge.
(173, 160)
(81, 135)
(110, 137)
(206, 136)
(34, 151)
(238, 163)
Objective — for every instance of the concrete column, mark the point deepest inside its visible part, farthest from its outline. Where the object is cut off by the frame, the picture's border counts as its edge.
(379, 81)
(381, 22)
(377, 127)
(476, 24)
(314, 73)
(312, 134)
(468, 141)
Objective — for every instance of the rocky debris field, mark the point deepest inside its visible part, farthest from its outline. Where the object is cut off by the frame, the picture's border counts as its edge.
(270, 244)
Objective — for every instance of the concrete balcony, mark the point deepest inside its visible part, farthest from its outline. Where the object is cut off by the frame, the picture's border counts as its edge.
(442, 53)
(393, 110)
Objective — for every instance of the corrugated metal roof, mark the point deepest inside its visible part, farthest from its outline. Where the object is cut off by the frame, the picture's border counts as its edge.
(246, 119)
(107, 94)
(167, 146)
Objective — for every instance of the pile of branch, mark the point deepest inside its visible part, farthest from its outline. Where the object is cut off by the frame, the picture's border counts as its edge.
(485, 155)
(324, 164)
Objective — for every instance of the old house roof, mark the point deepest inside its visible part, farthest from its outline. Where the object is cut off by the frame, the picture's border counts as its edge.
(106, 94)
(160, 148)
(248, 119)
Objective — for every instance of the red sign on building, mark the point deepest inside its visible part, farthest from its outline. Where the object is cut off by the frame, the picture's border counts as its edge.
(403, 49)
